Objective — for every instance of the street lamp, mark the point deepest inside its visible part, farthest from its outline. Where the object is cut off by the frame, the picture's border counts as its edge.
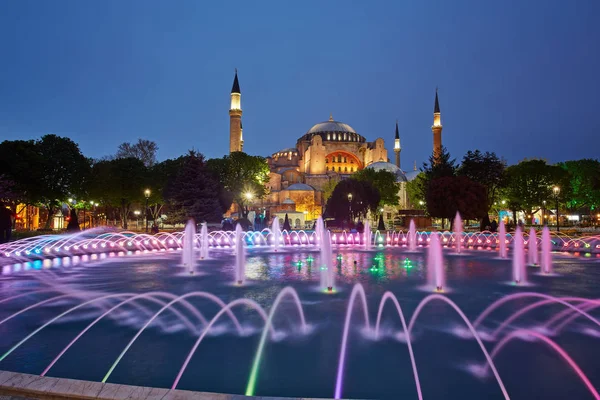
(350, 206)
(249, 196)
(83, 201)
(147, 195)
(556, 191)
(543, 212)
(137, 218)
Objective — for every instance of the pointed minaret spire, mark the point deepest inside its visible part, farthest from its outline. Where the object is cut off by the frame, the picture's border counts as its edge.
(235, 117)
(436, 128)
(330, 116)
(415, 166)
(397, 147)
(236, 84)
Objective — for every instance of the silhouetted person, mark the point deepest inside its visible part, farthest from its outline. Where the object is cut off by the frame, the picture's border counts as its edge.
(493, 226)
(5, 223)
(73, 225)
(154, 229)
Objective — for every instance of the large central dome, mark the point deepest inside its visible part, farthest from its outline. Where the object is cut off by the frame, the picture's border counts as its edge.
(331, 126)
(334, 131)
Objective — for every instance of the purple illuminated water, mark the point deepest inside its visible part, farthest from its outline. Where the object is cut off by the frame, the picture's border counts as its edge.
(458, 233)
(502, 240)
(240, 255)
(546, 263)
(435, 264)
(188, 252)
(412, 236)
(204, 241)
(518, 261)
(532, 247)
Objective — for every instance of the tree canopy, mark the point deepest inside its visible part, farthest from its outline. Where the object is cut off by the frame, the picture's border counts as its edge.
(384, 181)
(365, 197)
(447, 195)
(243, 176)
(194, 192)
(144, 150)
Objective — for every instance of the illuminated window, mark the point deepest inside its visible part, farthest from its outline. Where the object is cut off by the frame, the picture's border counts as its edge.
(345, 169)
(328, 136)
(339, 169)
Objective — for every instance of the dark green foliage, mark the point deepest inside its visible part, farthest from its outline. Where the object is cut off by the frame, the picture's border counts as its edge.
(447, 195)
(383, 181)
(194, 192)
(365, 197)
(240, 174)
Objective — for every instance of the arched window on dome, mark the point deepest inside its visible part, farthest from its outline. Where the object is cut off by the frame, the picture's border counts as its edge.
(352, 161)
(329, 136)
(345, 169)
(339, 169)
(335, 136)
(345, 136)
(327, 161)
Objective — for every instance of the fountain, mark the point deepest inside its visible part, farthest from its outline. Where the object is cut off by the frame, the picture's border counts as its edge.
(240, 255)
(276, 233)
(412, 236)
(435, 263)
(532, 246)
(458, 232)
(546, 263)
(188, 254)
(518, 262)
(204, 241)
(367, 235)
(327, 272)
(502, 239)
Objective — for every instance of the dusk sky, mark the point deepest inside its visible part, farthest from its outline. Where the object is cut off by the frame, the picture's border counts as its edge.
(518, 77)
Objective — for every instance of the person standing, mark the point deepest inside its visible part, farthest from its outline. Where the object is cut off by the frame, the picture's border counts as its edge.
(5, 223)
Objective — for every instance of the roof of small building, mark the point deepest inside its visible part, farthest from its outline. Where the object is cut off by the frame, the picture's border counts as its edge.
(387, 166)
(300, 186)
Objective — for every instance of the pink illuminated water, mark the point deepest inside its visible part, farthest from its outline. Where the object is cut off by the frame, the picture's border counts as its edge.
(518, 261)
(532, 246)
(435, 264)
(546, 262)
(502, 239)
(240, 256)
(188, 254)
(412, 236)
(458, 232)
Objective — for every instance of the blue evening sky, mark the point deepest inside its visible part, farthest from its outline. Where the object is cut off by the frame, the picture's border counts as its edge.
(518, 77)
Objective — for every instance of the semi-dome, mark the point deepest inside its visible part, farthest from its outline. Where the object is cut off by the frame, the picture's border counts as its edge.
(300, 186)
(335, 131)
(387, 166)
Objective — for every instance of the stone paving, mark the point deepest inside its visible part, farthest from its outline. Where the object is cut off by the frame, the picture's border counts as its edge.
(17, 386)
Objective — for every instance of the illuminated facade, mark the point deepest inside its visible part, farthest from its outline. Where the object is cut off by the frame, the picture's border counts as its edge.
(329, 150)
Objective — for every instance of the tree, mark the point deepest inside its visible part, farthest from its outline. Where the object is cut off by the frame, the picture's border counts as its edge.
(440, 165)
(286, 224)
(329, 187)
(194, 192)
(486, 169)
(384, 181)
(243, 176)
(530, 182)
(364, 198)
(416, 191)
(119, 183)
(144, 150)
(584, 177)
(447, 195)
(45, 172)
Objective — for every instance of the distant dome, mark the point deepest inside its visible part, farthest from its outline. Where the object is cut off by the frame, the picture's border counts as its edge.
(335, 131)
(300, 186)
(411, 175)
(387, 166)
(291, 151)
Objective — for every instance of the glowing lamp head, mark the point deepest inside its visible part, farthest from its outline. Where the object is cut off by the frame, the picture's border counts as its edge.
(248, 195)
(147, 193)
(556, 190)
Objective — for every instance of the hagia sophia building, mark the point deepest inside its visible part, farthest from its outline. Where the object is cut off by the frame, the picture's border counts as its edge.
(329, 150)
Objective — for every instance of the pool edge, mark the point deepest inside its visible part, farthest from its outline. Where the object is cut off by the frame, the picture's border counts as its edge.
(47, 388)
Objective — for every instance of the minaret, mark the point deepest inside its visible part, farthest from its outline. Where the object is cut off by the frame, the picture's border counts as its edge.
(235, 117)
(436, 128)
(241, 137)
(397, 147)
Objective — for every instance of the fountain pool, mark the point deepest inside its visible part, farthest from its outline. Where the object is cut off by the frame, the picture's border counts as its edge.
(316, 343)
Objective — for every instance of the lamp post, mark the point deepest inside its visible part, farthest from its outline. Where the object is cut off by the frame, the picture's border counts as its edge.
(83, 201)
(249, 196)
(544, 212)
(350, 207)
(147, 195)
(137, 218)
(556, 191)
